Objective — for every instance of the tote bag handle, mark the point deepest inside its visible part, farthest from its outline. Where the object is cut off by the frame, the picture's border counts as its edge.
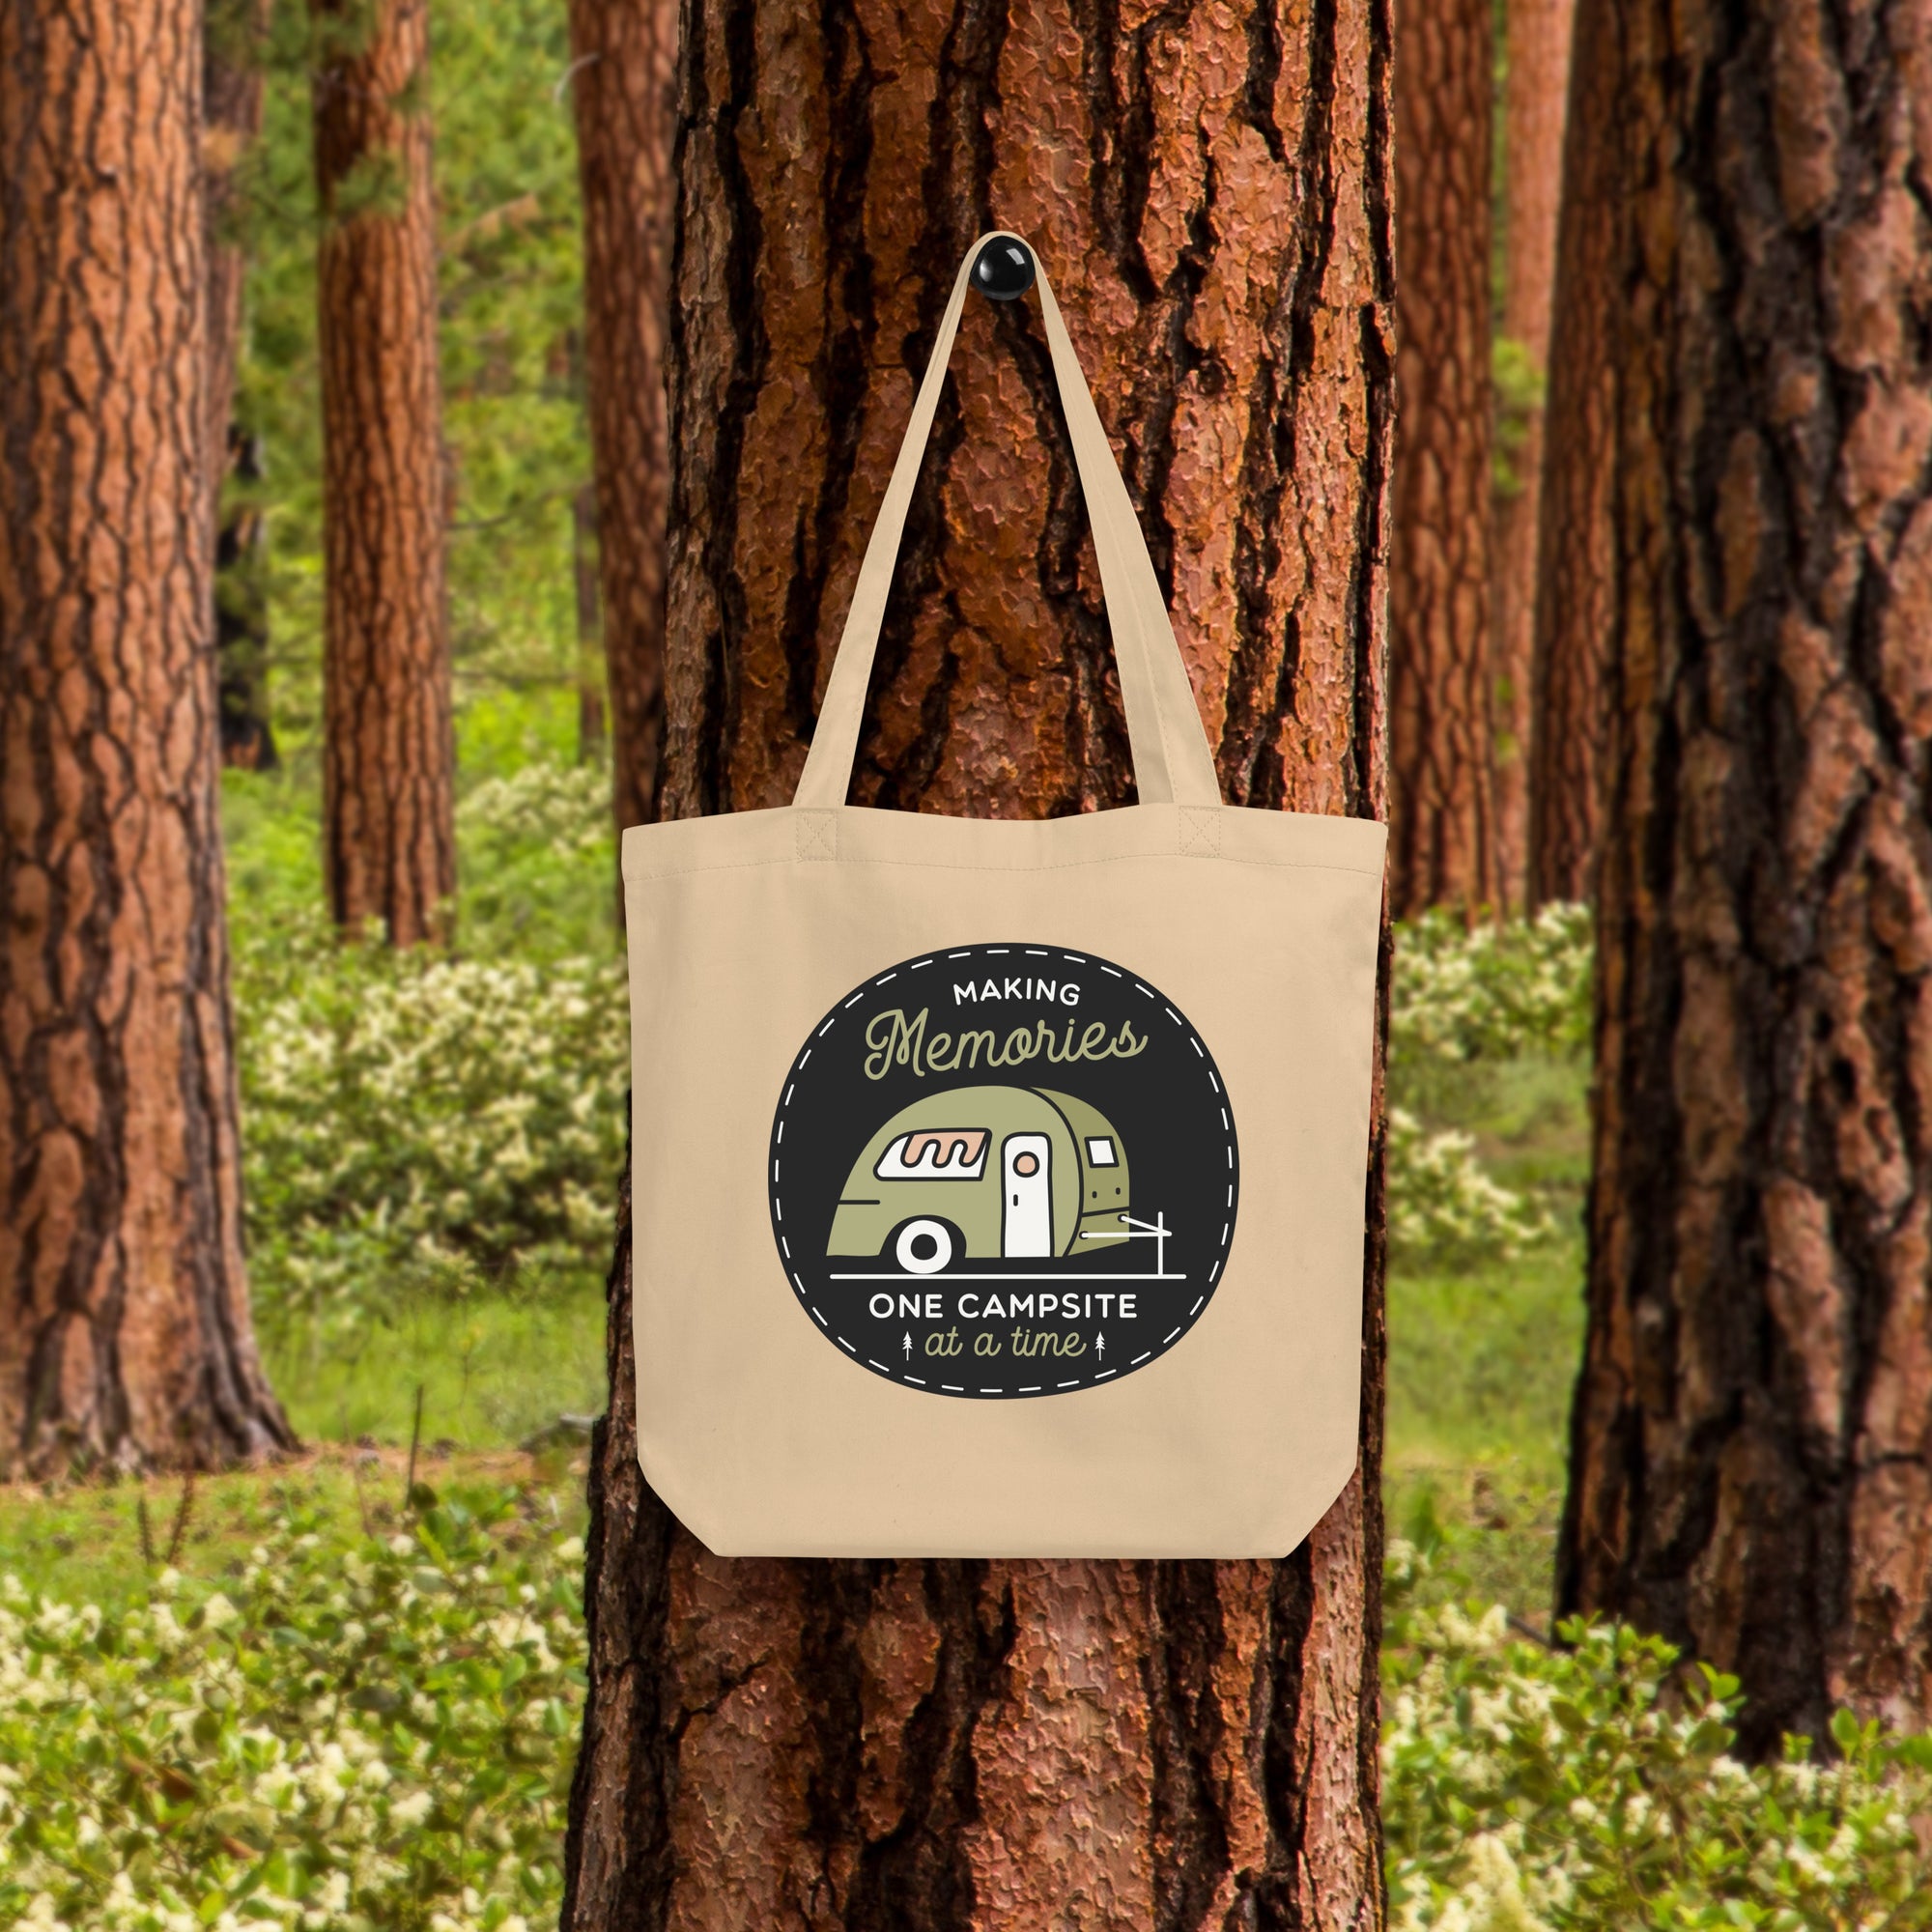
(1172, 762)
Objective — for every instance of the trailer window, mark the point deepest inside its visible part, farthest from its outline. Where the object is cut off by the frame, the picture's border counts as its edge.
(936, 1153)
(1101, 1151)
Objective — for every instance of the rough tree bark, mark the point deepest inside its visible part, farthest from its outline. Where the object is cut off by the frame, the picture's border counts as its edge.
(125, 1337)
(1442, 831)
(1538, 45)
(1750, 1466)
(1574, 547)
(982, 1745)
(388, 800)
(623, 60)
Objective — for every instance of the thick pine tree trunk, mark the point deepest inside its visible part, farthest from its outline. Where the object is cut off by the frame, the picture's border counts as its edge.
(1575, 543)
(1751, 1471)
(1009, 1744)
(1442, 823)
(623, 60)
(1534, 95)
(125, 1337)
(388, 799)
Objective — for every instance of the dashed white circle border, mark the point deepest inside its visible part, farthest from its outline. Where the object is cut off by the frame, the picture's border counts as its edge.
(1013, 1393)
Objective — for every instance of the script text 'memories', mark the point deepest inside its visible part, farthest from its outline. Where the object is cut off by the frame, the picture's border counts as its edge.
(897, 1041)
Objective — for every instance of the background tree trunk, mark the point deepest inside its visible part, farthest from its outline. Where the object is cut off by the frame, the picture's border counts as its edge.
(388, 802)
(624, 58)
(1751, 1464)
(241, 616)
(1575, 542)
(975, 1745)
(124, 1337)
(234, 58)
(1534, 97)
(234, 53)
(1442, 829)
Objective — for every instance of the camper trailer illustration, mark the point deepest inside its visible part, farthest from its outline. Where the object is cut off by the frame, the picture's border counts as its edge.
(978, 1172)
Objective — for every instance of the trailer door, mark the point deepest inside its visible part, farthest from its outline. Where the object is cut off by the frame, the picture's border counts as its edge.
(1026, 1198)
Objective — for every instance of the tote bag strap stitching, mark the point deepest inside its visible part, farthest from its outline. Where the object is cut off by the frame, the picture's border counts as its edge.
(1172, 760)
(815, 835)
(1199, 832)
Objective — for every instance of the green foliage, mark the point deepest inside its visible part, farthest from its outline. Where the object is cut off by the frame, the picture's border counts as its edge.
(1443, 1206)
(539, 863)
(1590, 1787)
(424, 1124)
(355, 1732)
(1482, 1359)
(1464, 1005)
(1492, 992)
(418, 1123)
(496, 1367)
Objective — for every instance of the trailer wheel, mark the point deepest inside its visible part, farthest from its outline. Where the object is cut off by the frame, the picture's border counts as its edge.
(924, 1246)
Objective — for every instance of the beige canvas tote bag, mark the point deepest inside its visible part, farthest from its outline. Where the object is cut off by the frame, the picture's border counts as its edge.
(998, 1186)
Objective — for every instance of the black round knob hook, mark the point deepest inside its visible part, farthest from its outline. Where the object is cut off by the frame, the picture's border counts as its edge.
(1005, 268)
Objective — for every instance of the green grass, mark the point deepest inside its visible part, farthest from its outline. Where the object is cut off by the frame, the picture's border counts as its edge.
(494, 1370)
(1482, 1360)
(83, 1542)
(1481, 1363)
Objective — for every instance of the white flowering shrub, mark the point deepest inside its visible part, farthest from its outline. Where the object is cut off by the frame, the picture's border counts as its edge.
(419, 1121)
(1442, 1204)
(561, 811)
(1463, 1000)
(347, 1737)
(1591, 1789)
(1493, 991)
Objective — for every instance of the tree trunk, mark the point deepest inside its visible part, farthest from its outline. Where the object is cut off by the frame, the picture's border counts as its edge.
(125, 1336)
(242, 617)
(233, 56)
(1750, 1469)
(1533, 102)
(1575, 544)
(1010, 1744)
(388, 806)
(623, 62)
(1442, 830)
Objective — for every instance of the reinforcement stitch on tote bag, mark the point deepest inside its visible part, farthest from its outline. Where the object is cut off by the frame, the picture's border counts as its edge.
(976, 1210)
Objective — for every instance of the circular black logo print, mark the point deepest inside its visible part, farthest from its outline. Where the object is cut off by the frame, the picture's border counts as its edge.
(1003, 1171)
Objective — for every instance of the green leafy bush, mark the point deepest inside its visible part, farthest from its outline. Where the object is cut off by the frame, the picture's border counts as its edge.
(1493, 991)
(416, 1121)
(1443, 1202)
(538, 863)
(376, 1734)
(1464, 1003)
(1591, 1789)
